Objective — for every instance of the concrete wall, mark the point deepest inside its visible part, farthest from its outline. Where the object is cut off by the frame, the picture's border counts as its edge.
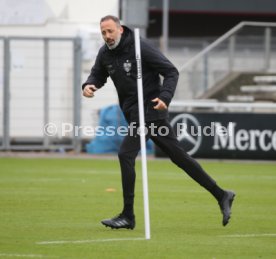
(68, 18)
(83, 11)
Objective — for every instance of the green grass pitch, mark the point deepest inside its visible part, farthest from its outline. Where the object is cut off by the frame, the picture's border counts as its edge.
(45, 200)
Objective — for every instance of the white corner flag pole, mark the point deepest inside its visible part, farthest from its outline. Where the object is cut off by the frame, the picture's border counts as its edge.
(142, 132)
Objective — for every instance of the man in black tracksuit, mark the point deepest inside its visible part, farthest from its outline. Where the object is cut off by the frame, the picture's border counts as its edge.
(117, 60)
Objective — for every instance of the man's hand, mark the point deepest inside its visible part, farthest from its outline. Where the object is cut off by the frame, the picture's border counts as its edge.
(88, 91)
(160, 105)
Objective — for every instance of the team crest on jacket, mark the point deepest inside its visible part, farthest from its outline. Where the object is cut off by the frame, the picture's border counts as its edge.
(127, 67)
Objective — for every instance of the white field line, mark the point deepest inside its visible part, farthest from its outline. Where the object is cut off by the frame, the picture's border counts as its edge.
(251, 235)
(26, 255)
(62, 242)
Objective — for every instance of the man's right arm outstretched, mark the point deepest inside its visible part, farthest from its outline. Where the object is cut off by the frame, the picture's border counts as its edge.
(96, 79)
(88, 91)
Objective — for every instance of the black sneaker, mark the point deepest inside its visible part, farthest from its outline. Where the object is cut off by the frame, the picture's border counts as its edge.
(120, 221)
(225, 206)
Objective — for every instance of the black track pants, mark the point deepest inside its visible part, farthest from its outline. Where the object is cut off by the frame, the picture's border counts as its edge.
(169, 145)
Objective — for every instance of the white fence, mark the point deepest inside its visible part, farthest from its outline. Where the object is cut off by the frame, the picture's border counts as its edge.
(40, 82)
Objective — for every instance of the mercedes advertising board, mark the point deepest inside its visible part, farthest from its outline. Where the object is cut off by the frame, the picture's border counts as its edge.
(226, 135)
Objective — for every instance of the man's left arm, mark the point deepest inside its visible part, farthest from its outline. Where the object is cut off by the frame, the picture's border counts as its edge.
(159, 63)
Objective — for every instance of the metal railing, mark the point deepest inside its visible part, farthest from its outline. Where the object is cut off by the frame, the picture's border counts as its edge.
(215, 106)
(249, 46)
(36, 72)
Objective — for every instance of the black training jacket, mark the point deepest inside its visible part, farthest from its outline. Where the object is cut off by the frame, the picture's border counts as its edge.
(120, 65)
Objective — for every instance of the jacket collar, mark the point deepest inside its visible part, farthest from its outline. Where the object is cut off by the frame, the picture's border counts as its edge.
(126, 41)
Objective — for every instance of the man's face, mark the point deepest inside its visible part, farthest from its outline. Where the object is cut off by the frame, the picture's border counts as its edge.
(111, 33)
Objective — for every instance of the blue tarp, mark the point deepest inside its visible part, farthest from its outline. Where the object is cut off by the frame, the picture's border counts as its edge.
(111, 117)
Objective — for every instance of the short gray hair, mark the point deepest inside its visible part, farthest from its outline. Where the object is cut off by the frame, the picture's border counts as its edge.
(111, 17)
